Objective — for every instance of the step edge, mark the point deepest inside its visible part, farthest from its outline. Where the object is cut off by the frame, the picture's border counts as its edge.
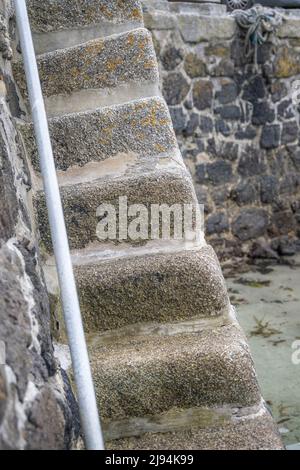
(177, 420)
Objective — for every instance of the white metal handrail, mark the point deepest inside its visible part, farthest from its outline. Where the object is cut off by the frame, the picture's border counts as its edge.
(81, 366)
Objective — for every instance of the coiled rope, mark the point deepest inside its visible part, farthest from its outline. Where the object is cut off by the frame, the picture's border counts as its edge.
(258, 23)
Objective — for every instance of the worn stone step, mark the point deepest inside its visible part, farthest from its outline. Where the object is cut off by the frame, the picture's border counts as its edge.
(199, 8)
(250, 432)
(144, 376)
(101, 72)
(141, 127)
(152, 180)
(64, 23)
(123, 288)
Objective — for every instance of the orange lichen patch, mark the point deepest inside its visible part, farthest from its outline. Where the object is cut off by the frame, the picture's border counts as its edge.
(93, 47)
(150, 64)
(163, 122)
(105, 11)
(113, 64)
(130, 39)
(287, 64)
(218, 50)
(160, 148)
(143, 43)
(104, 140)
(140, 136)
(151, 119)
(141, 105)
(136, 14)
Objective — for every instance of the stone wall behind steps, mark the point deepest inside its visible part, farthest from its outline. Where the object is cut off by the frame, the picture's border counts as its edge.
(238, 128)
(37, 408)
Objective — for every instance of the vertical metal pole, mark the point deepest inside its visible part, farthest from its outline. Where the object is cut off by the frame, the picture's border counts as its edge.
(80, 360)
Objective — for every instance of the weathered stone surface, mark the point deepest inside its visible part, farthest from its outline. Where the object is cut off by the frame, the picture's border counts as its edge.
(204, 28)
(179, 119)
(290, 132)
(289, 183)
(159, 20)
(294, 155)
(140, 127)
(285, 246)
(247, 116)
(3, 394)
(206, 124)
(287, 63)
(52, 16)
(188, 103)
(278, 91)
(286, 110)
(270, 137)
(230, 112)
(167, 287)
(15, 320)
(261, 250)
(31, 367)
(121, 291)
(223, 127)
(220, 195)
(228, 93)
(171, 57)
(247, 133)
(198, 7)
(219, 50)
(202, 193)
(182, 371)
(45, 412)
(219, 172)
(9, 204)
(248, 433)
(251, 223)
(102, 63)
(175, 88)
(200, 173)
(200, 145)
(283, 222)
(262, 113)
(202, 94)
(254, 89)
(244, 193)
(149, 182)
(194, 66)
(228, 151)
(224, 68)
(268, 189)
(264, 55)
(251, 162)
(217, 223)
(192, 124)
(289, 28)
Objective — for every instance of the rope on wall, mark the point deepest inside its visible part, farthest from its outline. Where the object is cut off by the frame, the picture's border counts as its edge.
(258, 24)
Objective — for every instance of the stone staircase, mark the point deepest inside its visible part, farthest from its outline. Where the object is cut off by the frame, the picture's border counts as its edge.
(171, 366)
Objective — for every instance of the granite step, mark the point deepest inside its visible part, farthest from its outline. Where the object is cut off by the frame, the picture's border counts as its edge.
(118, 183)
(140, 377)
(101, 72)
(141, 128)
(65, 23)
(119, 288)
(249, 432)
